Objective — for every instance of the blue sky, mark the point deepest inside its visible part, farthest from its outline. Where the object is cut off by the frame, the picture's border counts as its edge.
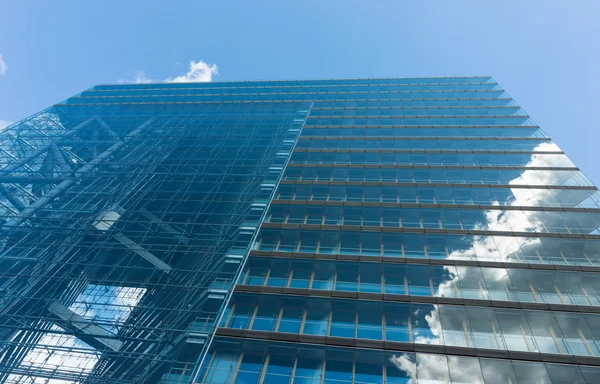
(544, 53)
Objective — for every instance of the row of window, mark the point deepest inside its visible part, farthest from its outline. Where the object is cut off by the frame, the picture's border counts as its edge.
(520, 285)
(313, 82)
(424, 120)
(389, 132)
(534, 250)
(543, 177)
(565, 333)
(254, 362)
(538, 145)
(511, 220)
(586, 198)
(332, 102)
(291, 96)
(249, 91)
(418, 102)
(374, 112)
(416, 158)
(250, 87)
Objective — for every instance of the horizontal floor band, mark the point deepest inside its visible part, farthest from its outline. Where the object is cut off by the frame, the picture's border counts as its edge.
(496, 167)
(251, 95)
(319, 227)
(324, 92)
(411, 260)
(379, 126)
(250, 100)
(370, 296)
(440, 185)
(419, 138)
(406, 347)
(316, 83)
(450, 116)
(414, 107)
(450, 151)
(429, 206)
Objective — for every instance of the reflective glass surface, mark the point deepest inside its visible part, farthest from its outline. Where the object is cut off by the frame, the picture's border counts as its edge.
(434, 213)
(228, 362)
(397, 214)
(452, 325)
(454, 281)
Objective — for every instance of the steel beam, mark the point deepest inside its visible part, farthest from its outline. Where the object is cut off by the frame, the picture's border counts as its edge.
(135, 247)
(59, 159)
(84, 329)
(107, 128)
(20, 162)
(40, 203)
(150, 216)
(12, 199)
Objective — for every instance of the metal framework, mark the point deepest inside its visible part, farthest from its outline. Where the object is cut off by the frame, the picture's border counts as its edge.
(122, 230)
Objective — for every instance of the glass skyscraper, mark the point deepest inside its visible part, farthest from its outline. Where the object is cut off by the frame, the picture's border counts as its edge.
(419, 230)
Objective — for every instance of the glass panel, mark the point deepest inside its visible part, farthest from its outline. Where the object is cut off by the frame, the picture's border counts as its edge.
(308, 371)
(432, 369)
(337, 372)
(250, 369)
(498, 371)
(465, 370)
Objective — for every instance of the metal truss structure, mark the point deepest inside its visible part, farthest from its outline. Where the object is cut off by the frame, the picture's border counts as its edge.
(123, 228)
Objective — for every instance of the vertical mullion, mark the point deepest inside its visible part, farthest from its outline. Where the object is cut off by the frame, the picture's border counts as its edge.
(466, 331)
(267, 277)
(585, 342)
(496, 336)
(535, 295)
(556, 341)
(382, 279)
(212, 358)
(303, 321)
(279, 319)
(251, 323)
(264, 370)
(525, 337)
(431, 289)
(560, 296)
(481, 290)
(293, 373)
(237, 368)
(586, 295)
(230, 316)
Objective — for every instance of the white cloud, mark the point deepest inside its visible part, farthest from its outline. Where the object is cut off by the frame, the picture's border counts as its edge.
(3, 66)
(57, 351)
(4, 123)
(140, 78)
(405, 363)
(199, 72)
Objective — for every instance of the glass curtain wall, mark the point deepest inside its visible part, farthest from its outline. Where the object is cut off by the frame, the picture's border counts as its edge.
(432, 226)
(397, 230)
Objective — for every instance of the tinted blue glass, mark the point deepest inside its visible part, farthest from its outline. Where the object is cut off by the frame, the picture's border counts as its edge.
(345, 210)
(314, 364)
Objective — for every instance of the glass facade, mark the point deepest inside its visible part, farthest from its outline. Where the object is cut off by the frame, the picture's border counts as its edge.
(418, 230)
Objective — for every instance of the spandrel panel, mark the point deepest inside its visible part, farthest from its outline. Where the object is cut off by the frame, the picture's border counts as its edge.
(535, 250)
(551, 332)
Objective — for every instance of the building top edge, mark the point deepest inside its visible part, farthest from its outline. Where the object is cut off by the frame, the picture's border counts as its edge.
(298, 80)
